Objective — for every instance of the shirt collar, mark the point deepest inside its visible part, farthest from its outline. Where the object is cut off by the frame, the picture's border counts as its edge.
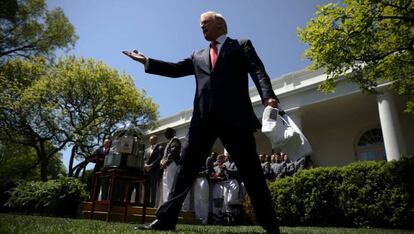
(221, 39)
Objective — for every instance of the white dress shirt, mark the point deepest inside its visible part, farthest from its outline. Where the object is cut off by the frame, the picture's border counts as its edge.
(220, 41)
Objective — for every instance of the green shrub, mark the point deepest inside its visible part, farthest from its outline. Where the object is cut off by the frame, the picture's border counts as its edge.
(60, 197)
(362, 194)
(308, 197)
(378, 194)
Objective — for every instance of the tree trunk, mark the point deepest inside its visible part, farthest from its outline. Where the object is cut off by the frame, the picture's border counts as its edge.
(72, 157)
(43, 168)
(44, 161)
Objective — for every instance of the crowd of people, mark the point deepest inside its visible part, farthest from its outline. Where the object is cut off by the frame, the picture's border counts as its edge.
(217, 194)
(278, 165)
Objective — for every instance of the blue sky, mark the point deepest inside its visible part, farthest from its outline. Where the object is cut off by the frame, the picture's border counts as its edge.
(170, 30)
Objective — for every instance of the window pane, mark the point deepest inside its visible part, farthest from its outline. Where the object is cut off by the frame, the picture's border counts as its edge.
(371, 145)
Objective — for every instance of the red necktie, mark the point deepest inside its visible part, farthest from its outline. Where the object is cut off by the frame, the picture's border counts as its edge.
(213, 54)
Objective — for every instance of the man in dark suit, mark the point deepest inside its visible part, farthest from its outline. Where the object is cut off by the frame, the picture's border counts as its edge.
(222, 108)
(99, 155)
(99, 158)
(170, 163)
(211, 160)
(152, 158)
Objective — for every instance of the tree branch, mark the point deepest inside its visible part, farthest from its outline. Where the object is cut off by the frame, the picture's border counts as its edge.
(409, 19)
(16, 49)
(396, 6)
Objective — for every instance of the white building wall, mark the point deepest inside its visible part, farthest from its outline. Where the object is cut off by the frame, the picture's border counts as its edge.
(407, 126)
(335, 145)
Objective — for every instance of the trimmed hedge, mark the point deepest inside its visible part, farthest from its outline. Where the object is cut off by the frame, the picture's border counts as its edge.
(60, 197)
(362, 194)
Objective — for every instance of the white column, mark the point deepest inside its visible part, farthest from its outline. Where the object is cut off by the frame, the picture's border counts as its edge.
(390, 125)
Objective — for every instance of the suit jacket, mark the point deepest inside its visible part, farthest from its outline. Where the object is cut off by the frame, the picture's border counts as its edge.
(172, 151)
(153, 157)
(210, 165)
(222, 93)
(99, 157)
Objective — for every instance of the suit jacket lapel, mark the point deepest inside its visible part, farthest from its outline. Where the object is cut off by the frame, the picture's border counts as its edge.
(204, 60)
(205, 55)
(223, 51)
(227, 43)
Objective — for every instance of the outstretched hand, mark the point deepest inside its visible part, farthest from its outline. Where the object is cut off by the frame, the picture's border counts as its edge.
(135, 55)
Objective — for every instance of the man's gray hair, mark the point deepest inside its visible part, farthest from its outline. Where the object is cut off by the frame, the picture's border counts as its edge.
(219, 17)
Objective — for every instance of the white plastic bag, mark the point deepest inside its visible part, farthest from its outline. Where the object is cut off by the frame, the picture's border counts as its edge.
(278, 129)
(284, 134)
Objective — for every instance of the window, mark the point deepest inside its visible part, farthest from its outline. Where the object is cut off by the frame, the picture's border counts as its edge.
(371, 146)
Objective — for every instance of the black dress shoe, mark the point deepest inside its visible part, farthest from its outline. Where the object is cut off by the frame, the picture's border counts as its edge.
(156, 225)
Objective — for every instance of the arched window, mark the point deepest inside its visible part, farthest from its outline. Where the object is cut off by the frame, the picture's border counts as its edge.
(371, 146)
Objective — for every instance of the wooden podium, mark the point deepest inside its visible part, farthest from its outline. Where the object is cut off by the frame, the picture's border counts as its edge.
(117, 175)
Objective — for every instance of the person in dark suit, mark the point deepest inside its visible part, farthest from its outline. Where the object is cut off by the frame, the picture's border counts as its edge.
(170, 163)
(99, 158)
(267, 168)
(152, 158)
(222, 108)
(99, 155)
(211, 160)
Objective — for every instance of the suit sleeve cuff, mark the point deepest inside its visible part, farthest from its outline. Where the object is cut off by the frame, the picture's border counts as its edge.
(146, 64)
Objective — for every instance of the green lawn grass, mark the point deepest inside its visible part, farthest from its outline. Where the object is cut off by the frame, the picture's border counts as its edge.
(15, 224)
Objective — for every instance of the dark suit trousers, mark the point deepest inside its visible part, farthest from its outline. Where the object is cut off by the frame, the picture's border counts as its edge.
(241, 145)
(151, 189)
